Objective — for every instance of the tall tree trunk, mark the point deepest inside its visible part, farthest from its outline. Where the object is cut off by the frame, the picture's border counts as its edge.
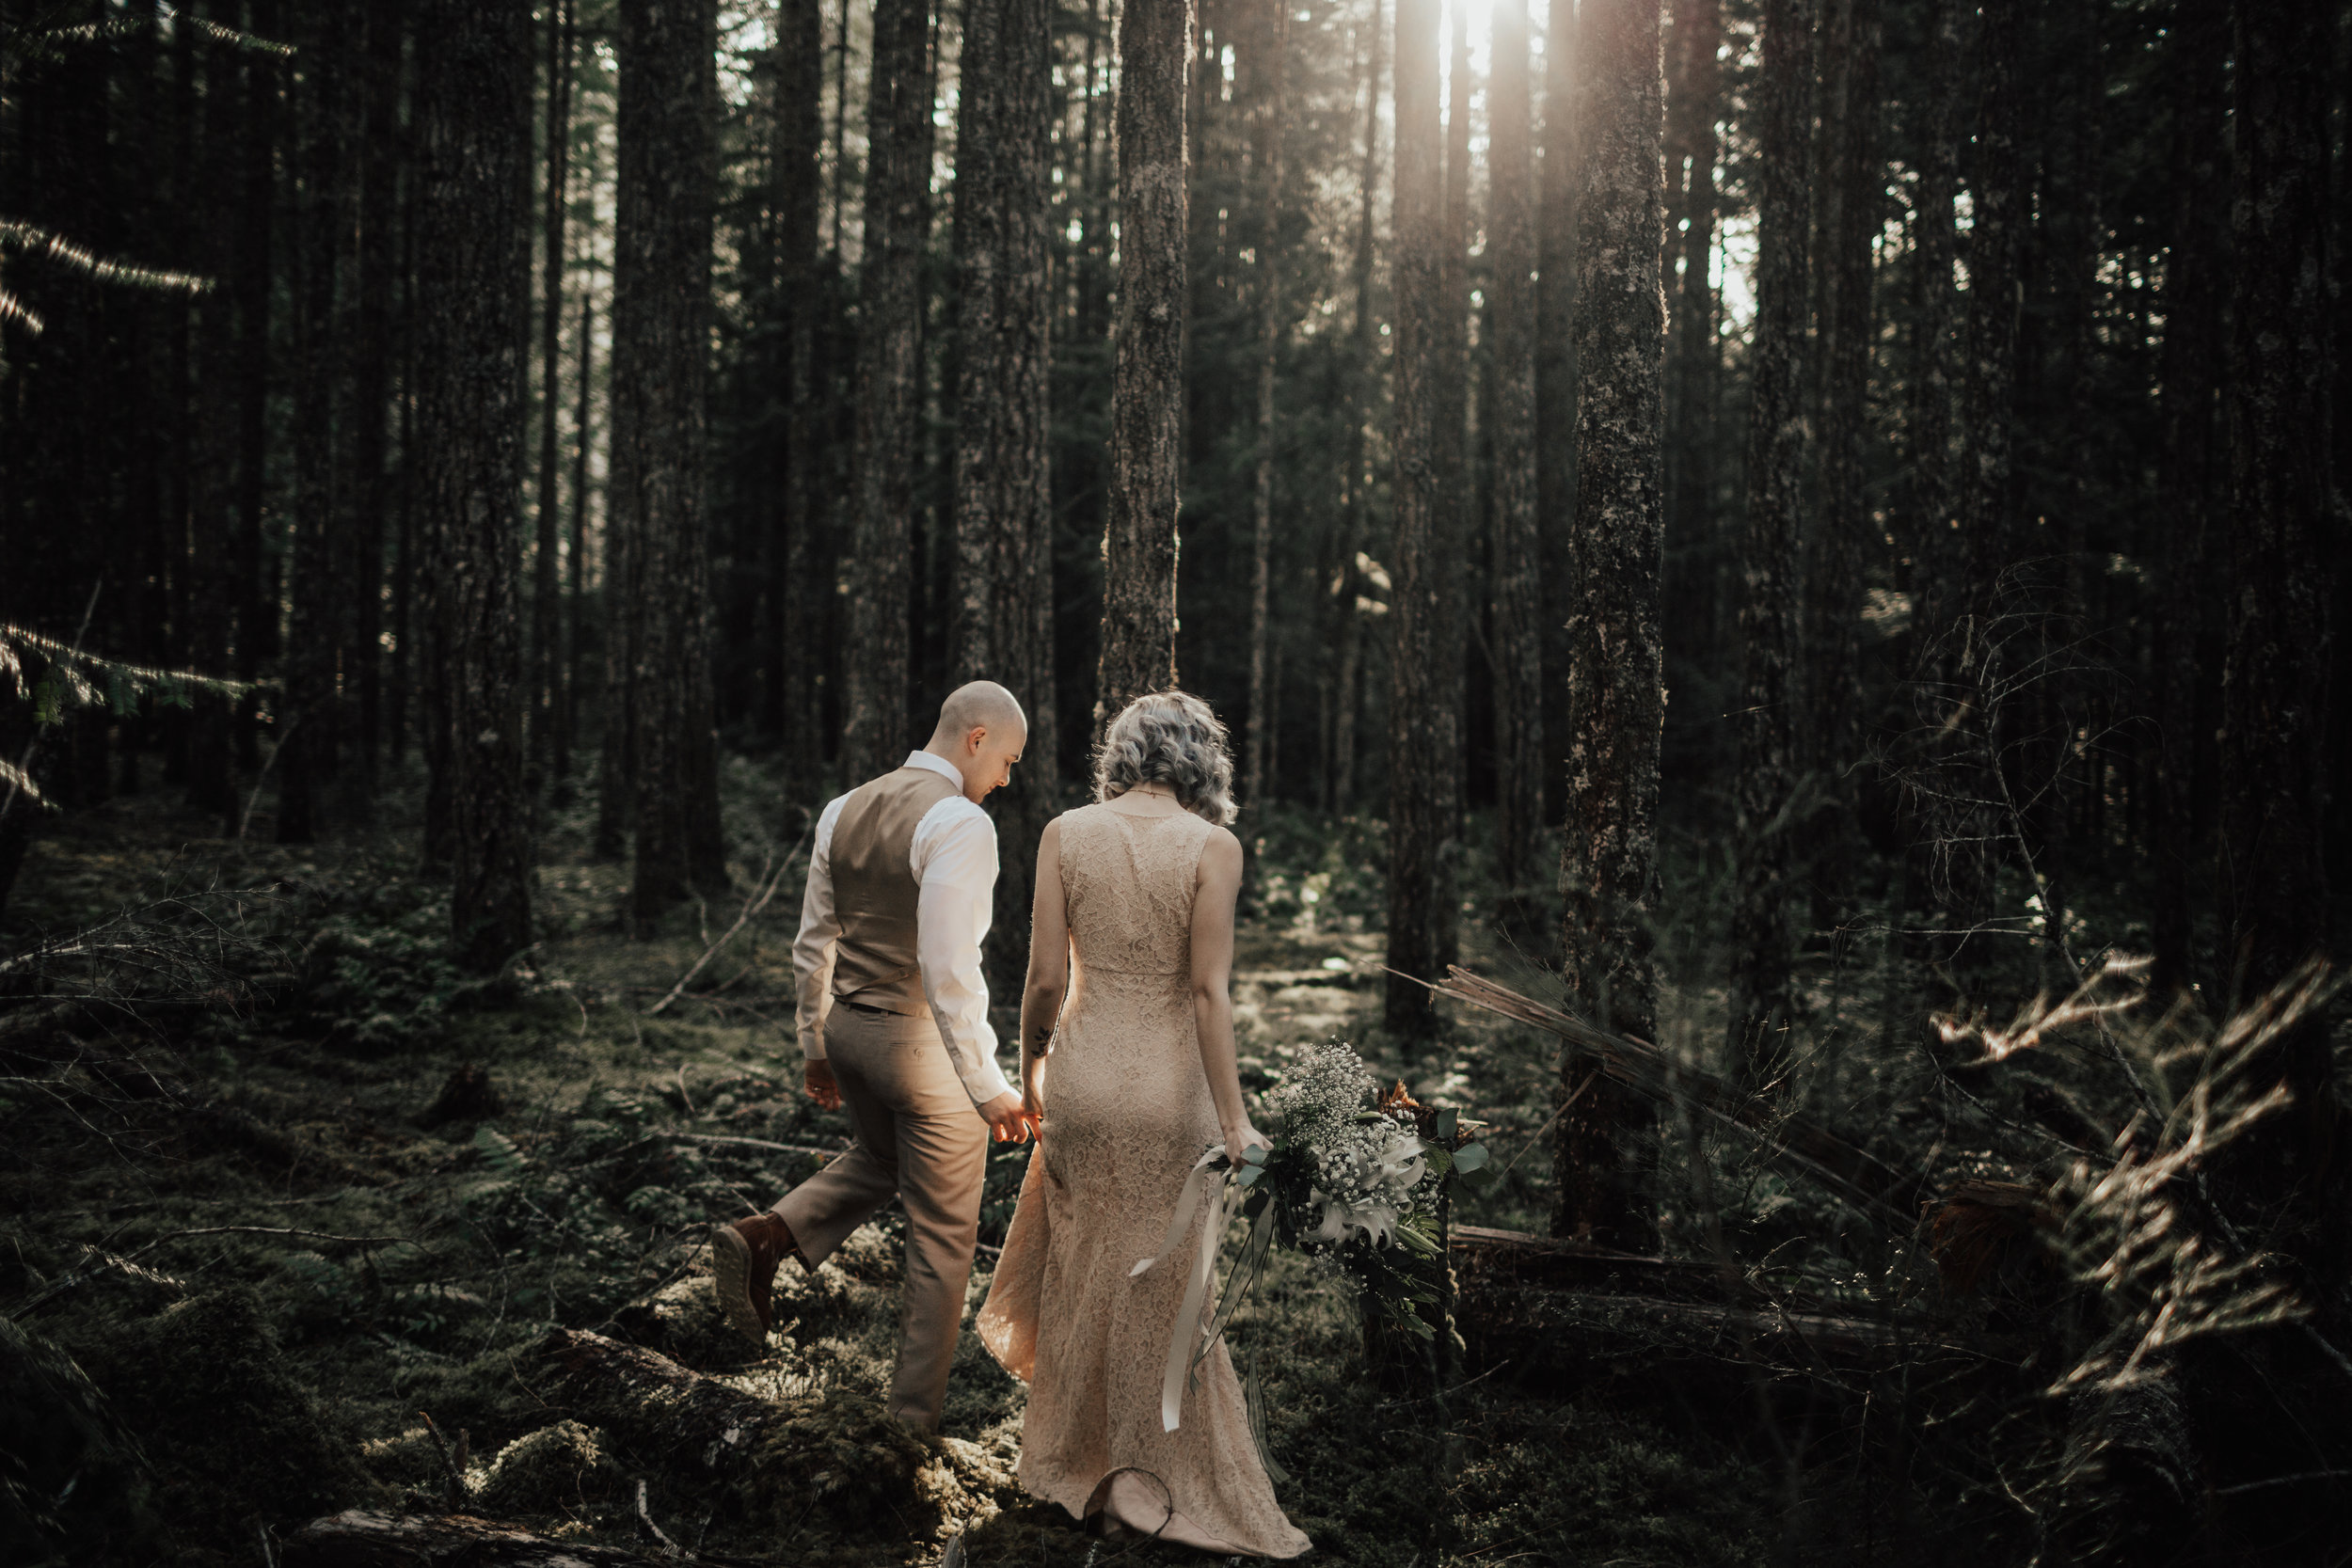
(1004, 606)
(798, 177)
(1559, 187)
(889, 394)
(2275, 787)
(546, 603)
(1420, 689)
(666, 128)
(1609, 868)
(1457, 506)
(1694, 360)
(212, 519)
(1852, 207)
(256, 250)
(308, 726)
(474, 134)
(1274, 37)
(369, 489)
(2194, 289)
(1762, 942)
(1155, 47)
(1931, 504)
(1986, 489)
(1356, 512)
(1518, 635)
(575, 560)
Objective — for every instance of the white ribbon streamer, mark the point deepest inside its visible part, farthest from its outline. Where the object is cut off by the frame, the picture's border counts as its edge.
(1188, 1330)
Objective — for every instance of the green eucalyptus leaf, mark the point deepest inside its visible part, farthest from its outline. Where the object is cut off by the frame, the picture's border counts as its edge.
(1470, 1157)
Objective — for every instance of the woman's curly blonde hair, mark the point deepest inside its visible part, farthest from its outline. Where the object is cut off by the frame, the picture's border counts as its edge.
(1168, 737)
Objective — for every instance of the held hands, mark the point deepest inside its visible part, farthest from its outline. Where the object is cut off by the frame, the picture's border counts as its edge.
(817, 1077)
(1240, 1137)
(1009, 1119)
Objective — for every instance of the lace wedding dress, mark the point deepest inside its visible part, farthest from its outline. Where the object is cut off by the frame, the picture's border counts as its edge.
(1127, 1113)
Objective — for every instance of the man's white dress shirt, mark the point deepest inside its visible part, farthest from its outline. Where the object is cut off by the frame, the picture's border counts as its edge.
(954, 863)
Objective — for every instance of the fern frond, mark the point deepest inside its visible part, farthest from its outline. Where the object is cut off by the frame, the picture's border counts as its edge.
(33, 240)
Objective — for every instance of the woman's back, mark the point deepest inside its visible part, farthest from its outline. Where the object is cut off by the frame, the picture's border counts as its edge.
(1127, 883)
(1126, 1065)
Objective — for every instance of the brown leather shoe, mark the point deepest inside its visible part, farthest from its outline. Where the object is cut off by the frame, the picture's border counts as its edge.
(744, 1258)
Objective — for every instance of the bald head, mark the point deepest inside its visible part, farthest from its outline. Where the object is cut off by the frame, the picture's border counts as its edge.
(978, 705)
(981, 730)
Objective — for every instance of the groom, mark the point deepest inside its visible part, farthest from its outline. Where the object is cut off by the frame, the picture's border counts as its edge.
(894, 1023)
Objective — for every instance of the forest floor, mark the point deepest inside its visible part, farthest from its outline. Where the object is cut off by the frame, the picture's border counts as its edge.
(280, 1226)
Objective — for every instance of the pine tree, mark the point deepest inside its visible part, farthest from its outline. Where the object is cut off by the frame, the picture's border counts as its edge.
(666, 130)
(1421, 739)
(1004, 605)
(2195, 290)
(1762, 947)
(875, 729)
(2275, 788)
(1518, 637)
(1138, 639)
(473, 139)
(1609, 865)
(545, 596)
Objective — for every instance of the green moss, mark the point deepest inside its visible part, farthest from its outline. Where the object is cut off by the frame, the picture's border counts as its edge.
(239, 1438)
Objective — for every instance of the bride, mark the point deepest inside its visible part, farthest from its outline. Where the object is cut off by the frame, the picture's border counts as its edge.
(1126, 1001)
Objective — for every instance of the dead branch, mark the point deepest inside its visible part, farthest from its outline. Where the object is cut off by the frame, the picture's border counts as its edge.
(454, 1491)
(372, 1538)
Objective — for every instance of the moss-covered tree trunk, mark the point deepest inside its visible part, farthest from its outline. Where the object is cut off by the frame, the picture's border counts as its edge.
(1609, 864)
(1762, 945)
(1155, 48)
(473, 140)
(1004, 603)
(875, 733)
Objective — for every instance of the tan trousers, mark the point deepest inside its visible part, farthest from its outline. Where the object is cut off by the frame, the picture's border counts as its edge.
(920, 1138)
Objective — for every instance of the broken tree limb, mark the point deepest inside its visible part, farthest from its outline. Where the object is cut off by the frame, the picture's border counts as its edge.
(371, 1538)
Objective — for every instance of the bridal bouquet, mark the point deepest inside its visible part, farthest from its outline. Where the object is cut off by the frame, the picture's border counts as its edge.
(1353, 1177)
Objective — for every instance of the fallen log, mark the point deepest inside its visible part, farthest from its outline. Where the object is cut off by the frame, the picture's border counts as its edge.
(371, 1538)
(653, 1404)
(1544, 1308)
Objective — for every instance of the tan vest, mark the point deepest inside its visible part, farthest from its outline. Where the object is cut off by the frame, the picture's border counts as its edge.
(874, 891)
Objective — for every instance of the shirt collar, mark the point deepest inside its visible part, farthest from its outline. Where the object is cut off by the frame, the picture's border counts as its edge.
(937, 763)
